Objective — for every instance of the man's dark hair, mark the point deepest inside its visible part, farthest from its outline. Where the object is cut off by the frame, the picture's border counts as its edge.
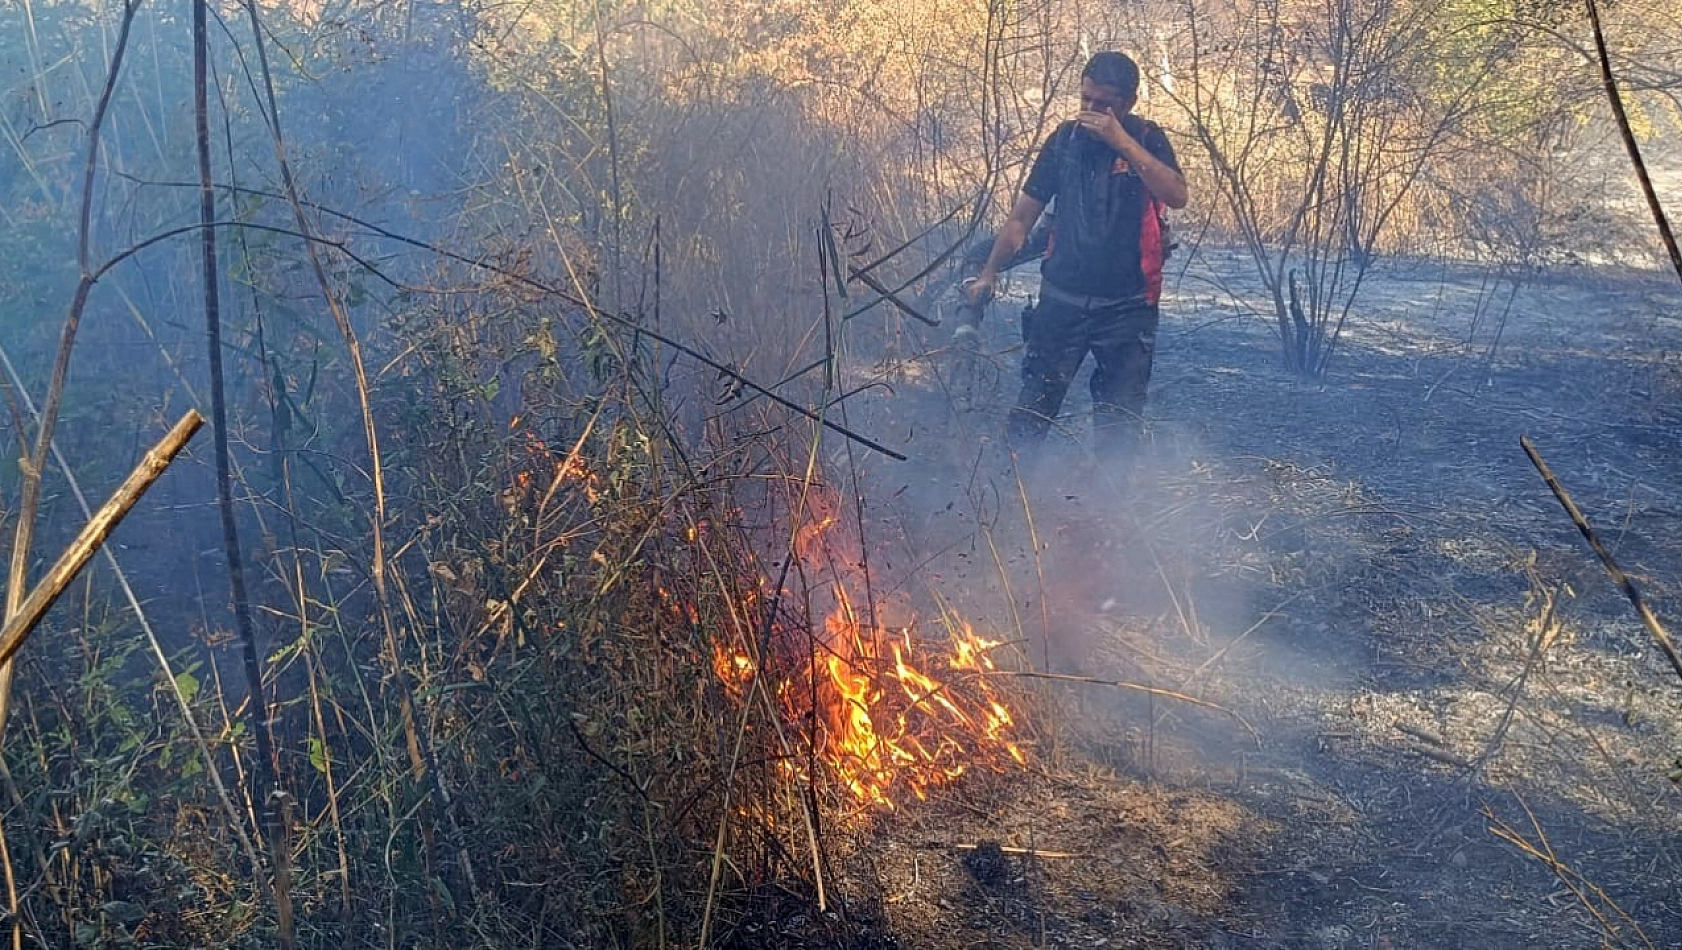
(1113, 69)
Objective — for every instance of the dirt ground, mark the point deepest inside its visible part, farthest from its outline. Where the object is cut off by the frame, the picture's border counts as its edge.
(1421, 671)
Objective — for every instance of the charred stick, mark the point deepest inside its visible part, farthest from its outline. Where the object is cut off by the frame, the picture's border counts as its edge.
(890, 297)
(900, 249)
(1610, 83)
(829, 259)
(1618, 576)
(268, 795)
(98, 528)
(1440, 755)
(1423, 735)
(615, 768)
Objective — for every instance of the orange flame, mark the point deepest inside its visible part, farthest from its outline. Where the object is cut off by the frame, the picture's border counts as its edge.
(734, 670)
(565, 468)
(887, 713)
(889, 724)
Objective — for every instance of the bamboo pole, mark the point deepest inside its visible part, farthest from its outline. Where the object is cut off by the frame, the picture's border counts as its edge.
(93, 535)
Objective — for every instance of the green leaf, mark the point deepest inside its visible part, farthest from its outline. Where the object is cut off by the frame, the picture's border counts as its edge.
(124, 911)
(318, 754)
(284, 653)
(444, 894)
(187, 685)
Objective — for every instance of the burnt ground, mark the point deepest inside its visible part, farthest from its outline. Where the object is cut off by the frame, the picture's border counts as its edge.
(1413, 650)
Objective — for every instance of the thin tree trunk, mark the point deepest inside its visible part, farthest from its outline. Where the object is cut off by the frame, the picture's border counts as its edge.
(265, 788)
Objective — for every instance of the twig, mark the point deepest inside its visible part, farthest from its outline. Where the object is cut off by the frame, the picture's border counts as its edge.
(98, 528)
(888, 295)
(1216, 656)
(1618, 575)
(981, 199)
(1009, 849)
(724, 370)
(903, 246)
(1546, 628)
(1593, 899)
(151, 240)
(1135, 687)
(614, 767)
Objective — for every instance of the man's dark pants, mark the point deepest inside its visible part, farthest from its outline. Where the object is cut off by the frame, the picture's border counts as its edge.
(1059, 332)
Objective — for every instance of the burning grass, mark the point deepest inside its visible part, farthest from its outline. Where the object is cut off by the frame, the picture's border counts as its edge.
(886, 713)
(659, 680)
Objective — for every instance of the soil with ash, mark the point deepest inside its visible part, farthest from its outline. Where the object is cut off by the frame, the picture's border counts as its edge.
(1429, 720)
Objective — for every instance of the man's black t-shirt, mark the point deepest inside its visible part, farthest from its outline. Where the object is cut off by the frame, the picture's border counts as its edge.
(1106, 242)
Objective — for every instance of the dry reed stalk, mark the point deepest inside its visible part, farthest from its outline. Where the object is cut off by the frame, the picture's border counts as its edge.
(234, 820)
(46, 592)
(417, 733)
(1155, 691)
(33, 465)
(1593, 899)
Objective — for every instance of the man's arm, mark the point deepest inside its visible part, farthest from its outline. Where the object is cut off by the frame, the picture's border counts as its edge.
(1010, 238)
(1162, 180)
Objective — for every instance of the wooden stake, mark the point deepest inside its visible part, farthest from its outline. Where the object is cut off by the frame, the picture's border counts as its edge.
(88, 542)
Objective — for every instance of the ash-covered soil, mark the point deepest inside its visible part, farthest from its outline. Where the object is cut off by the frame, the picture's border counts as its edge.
(1439, 723)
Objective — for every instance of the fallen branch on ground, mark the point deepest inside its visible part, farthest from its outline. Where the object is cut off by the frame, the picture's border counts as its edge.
(1618, 576)
(1007, 849)
(1135, 687)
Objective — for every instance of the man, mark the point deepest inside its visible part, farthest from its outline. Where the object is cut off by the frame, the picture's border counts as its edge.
(1111, 173)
